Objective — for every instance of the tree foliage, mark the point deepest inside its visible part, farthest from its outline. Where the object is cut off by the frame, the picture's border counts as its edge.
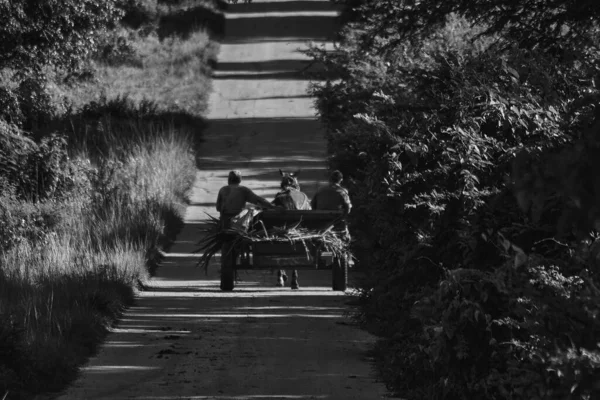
(43, 39)
(555, 25)
(35, 34)
(472, 168)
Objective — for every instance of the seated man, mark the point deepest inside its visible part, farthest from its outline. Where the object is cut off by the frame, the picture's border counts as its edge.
(334, 197)
(232, 198)
(290, 197)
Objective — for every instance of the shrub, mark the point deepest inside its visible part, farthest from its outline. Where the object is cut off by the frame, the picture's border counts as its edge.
(470, 171)
(58, 33)
(137, 13)
(39, 171)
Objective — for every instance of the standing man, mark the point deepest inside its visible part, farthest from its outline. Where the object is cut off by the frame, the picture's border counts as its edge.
(334, 197)
(231, 200)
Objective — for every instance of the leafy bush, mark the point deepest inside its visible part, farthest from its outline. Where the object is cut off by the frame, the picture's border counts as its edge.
(59, 37)
(31, 222)
(568, 30)
(38, 171)
(9, 104)
(117, 49)
(469, 162)
(58, 33)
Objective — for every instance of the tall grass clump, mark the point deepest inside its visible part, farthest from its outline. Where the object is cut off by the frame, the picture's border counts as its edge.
(71, 266)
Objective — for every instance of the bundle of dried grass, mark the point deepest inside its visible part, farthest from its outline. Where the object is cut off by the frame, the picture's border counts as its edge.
(214, 237)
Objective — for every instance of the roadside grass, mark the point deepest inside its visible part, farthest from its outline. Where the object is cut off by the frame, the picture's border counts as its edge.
(69, 265)
(61, 291)
(167, 62)
(62, 298)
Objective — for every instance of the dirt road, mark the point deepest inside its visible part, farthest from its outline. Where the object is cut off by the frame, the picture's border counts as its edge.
(185, 339)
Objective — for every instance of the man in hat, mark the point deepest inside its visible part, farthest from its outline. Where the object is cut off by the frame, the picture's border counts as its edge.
(232, 198)
(334, 197)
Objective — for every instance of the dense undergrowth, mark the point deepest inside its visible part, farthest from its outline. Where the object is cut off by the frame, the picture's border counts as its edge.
(471, 165)
(96, 159)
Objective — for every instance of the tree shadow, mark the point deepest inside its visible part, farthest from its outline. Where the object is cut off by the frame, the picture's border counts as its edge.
(171, 327)
(285, 75)
(220, 4)
(283, 6)
(299, 27)
(272, 69)
(262, 66)
(126, 119)
(182, 23)
(304, 96)
(284, 143)
(241, 126)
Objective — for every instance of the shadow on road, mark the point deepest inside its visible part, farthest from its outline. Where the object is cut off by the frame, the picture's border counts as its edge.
(263, 66)
(291, 97)
(263, 143)
(185, 321)
(283, 75)
(184, 22)
(299, 27)
(281, 6)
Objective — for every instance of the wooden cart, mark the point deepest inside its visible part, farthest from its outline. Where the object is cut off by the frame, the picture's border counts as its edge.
(298, 255)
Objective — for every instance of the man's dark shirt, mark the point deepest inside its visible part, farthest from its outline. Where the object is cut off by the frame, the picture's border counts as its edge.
(232, 199)
(332, 197)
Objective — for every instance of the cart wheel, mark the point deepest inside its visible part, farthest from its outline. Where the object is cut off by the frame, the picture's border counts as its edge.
(227, 267)
(340, 274)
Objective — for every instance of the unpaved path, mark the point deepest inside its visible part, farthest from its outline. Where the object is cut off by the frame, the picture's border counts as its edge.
(185, 339)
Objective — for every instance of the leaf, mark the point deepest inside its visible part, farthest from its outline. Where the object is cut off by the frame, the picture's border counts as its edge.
(574, 387)
(520, 257)
(484, 296)
(513, 72)
(523, 199)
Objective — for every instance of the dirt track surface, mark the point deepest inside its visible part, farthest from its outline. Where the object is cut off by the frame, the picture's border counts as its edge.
(185, 339)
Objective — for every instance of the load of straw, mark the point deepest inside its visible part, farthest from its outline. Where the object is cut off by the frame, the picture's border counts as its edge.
(214, 237)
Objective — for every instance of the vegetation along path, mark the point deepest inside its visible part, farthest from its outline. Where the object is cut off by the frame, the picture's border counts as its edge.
(185, 339)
